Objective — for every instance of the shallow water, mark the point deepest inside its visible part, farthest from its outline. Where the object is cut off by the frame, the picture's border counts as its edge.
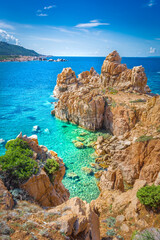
(25, 101)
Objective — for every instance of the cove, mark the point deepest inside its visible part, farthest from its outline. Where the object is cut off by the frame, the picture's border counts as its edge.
(26, 90)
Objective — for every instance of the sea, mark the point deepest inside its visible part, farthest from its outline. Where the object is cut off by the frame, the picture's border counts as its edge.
(26, 100)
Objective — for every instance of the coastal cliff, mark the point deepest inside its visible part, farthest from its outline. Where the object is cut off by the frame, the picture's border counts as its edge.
(32, 192)
(90, 102)
(119, 101)
(127, 163)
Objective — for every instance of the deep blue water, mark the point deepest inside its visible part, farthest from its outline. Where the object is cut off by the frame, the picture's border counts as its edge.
(26, 90)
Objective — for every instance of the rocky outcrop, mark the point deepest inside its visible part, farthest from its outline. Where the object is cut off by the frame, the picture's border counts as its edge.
(87, 100)
(66, 81)
(6, 200)
(140, 160)
(111, 179)
(77, 220)
(84, 107)
(114, 74)
(39, 186)
(42, 190)
(119, 119)
(126, 202)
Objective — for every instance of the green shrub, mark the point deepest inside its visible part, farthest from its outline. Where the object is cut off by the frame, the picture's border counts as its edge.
(110, 221)
(113, 104)
(12, 144)
(138, 100)
(144, 138)
(111, 232)
(51, 166)
(158, 129)
(149, 196)
(103, 91)
(112, 91)
(17, 162)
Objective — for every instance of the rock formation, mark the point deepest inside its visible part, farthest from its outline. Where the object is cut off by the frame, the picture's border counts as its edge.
(39, 186)
(114, 74)
(77, 220)
(120, 200)
(87, 100)
(140, 160)
(78, 102)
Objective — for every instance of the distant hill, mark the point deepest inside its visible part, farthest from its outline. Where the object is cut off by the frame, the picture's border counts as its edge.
(11, 49)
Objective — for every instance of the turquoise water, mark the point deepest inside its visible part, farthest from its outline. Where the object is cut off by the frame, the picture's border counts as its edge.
(25, 101)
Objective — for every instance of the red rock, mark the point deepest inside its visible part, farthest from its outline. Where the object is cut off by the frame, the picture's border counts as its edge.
(6, 200)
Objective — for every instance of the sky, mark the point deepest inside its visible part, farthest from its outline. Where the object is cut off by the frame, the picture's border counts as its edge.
(83, 27)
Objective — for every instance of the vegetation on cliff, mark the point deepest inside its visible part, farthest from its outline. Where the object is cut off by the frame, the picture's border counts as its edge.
(51, 166)
(150, 196)
(17, 163)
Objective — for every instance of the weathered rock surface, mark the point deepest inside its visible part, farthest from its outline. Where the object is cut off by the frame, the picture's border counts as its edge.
(65, 81)
(125, 202)
(114, 74)
(140, 160)
(111, 179)
(77, 220)
(43, 191)
(6, 200)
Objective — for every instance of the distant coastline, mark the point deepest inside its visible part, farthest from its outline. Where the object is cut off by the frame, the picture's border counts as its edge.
(12, 58)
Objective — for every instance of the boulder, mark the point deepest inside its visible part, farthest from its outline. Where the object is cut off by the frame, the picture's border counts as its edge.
(111, 179)
(79, 145)
(77, 219)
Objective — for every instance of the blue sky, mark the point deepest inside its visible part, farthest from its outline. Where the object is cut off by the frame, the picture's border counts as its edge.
(83, 28)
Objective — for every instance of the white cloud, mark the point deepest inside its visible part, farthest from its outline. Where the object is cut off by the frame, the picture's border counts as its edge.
(5, 37)
(5, 25)
(49, 7)
(151, 3)
(42, 15)
(152, 50)
(92, 23)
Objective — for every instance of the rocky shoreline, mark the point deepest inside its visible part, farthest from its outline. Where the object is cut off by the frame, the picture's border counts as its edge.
(128, 160)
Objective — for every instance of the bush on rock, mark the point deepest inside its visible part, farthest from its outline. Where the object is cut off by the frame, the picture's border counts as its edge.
(51, 166)
(150, 196)
(17, 163)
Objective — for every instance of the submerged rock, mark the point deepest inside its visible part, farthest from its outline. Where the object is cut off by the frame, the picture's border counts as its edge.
(83, 134)
(81, 139)
(79, 145)
(73, 175)
(87, 170)
(46, 131)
